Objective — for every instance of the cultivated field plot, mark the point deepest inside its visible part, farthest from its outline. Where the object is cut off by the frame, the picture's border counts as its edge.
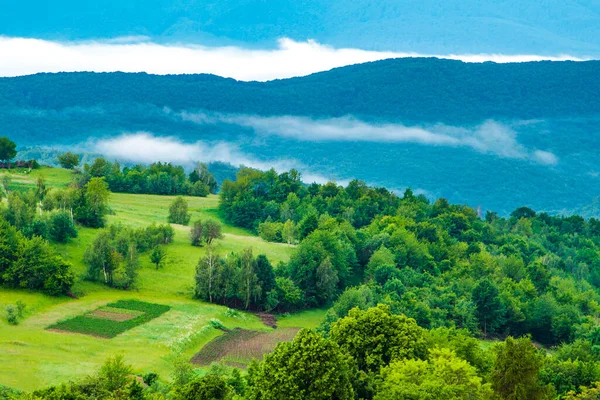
(112, 319)
(239, 346)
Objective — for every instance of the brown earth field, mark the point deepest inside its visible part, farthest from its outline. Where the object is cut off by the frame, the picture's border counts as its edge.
(111, 315)
(239, 346)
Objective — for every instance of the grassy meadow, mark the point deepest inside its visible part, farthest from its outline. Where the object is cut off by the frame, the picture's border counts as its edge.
(33, 357)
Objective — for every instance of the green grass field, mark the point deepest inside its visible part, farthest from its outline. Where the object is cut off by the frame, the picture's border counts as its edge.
(32, 357)
(139, 313)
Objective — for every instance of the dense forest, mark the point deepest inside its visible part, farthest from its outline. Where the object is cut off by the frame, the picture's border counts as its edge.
(409, 89)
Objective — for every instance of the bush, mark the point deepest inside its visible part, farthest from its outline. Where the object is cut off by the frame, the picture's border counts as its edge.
(196, 235)
(271, 231)
(150, 378)
(178, 212)
(215, 323)
(12, 315)
(62, 227)
(199, 189)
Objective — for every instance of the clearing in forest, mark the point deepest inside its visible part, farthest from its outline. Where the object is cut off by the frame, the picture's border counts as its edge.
(239, 346)
(112, 319)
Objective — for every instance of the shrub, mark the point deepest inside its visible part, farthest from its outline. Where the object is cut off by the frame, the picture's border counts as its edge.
(215, 323)
(178, 212)
(62, 227)
(12, 315)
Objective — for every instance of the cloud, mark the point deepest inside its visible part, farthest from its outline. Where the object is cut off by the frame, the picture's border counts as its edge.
(23, 56)
(143, 147)
(489, 138)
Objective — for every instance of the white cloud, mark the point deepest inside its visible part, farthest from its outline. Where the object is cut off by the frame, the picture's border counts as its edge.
(23, 56)
(489, 138)
(143, 147)
(545, 157)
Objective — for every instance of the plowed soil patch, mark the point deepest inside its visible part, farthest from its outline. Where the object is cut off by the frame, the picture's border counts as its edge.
(111, 315)
(239, 346)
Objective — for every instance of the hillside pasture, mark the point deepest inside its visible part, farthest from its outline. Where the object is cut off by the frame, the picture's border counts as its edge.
(32, 356)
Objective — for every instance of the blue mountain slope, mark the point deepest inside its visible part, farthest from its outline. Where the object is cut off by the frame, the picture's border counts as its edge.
(551, 107)
(425, 26)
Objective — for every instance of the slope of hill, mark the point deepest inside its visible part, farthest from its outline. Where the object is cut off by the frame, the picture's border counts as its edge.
(371, 121)
(418, 89)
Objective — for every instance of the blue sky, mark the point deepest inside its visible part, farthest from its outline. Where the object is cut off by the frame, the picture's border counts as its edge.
(277, 39)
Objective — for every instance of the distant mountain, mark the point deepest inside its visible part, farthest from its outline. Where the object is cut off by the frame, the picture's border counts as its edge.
(406, 90)
(425, 26)
(540, 148)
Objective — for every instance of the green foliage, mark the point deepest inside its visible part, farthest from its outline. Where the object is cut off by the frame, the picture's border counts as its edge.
(514, 375)
(32, 264)
(208, 387)
(68, 160)
(8, 149)
(240, 280)
(178, 212)
(62, 227)
(91, 203)
(158, 256)
(114, 373)
(158, 178)
(490, 310)
(109, 328)
(310, 367)
(443, 376)
(375, 337)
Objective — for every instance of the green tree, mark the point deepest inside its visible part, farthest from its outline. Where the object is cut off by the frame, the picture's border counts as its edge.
(208, 275)
(178, 212)
(114, 373)
(209, 387)
(489, 308)
(68, 160)
(91, 203)
(102, 258)
(326, 281)
(515, 372)
(8, 150)
(309, 368)
(288, 232)
(444, 376)
(196, 233)
(37, 267)
(62, 227)
(158, 256)
(211, 231)
(382, 257)
(375, 337)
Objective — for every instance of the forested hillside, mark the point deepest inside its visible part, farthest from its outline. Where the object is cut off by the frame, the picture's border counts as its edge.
(405, 90)
(479, 305)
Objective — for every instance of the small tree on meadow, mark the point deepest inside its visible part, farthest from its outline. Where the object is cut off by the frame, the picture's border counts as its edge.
(178, 212)
(212, 231)
(8, 150)
(68, 160)
(158, 256)
(196, 234)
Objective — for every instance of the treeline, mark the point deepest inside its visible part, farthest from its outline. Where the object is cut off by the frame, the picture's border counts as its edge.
(244, 281)
(442, 264)
(158, 178)
(52, 212)
(368, 354)
(265, 201)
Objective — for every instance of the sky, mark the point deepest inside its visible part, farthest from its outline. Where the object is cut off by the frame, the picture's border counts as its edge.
(264, 40)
